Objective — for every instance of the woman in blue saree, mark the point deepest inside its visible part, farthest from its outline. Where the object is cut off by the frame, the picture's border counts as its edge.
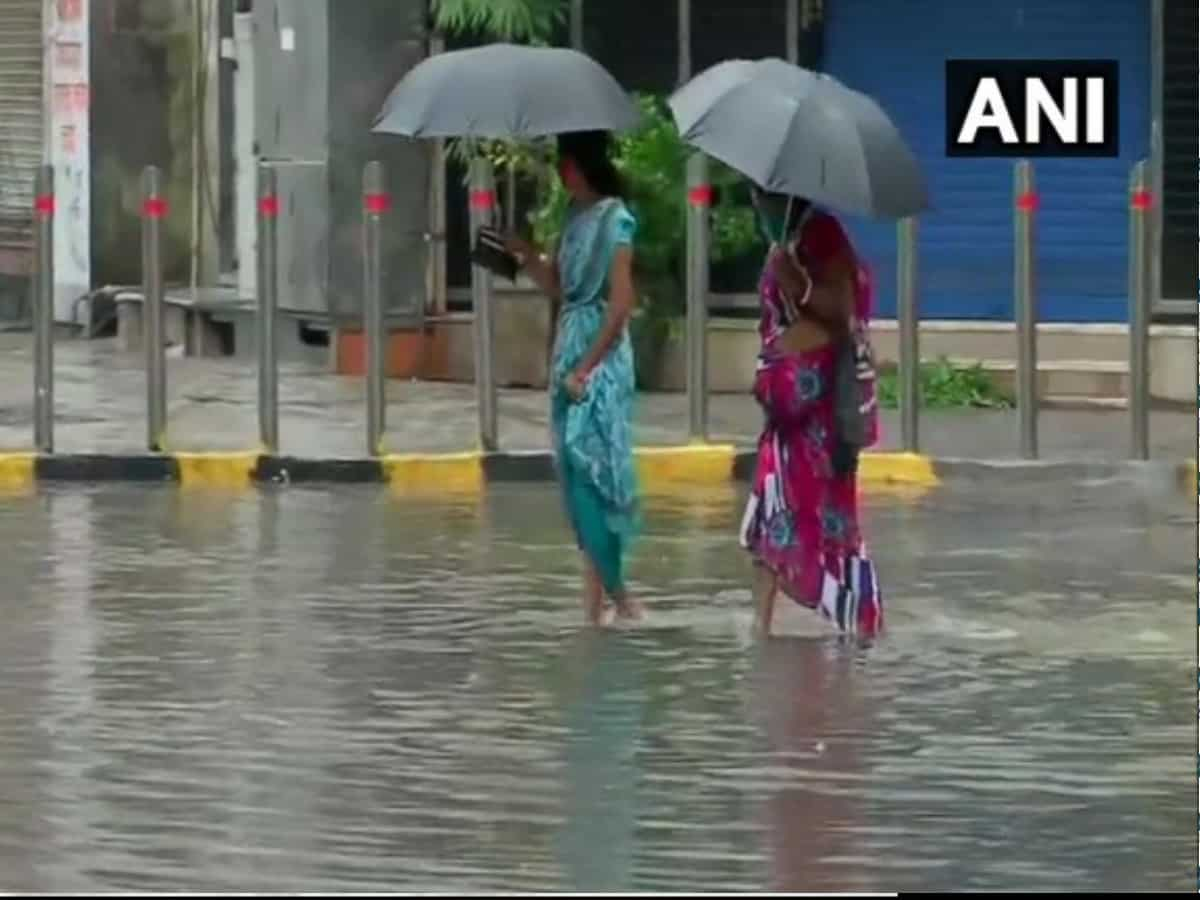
(590, 281)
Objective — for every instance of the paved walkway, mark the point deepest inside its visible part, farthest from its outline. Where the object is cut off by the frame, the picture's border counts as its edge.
(100, 404)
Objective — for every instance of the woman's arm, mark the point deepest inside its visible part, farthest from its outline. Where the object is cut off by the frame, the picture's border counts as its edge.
(544, 273)
(826, 295)
(622, 298)
(540, 267)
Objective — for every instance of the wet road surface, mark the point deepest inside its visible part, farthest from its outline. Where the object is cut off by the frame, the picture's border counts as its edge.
(340, 689)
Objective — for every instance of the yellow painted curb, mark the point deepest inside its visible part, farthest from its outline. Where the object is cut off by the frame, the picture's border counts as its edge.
(222, 470)
(17, 472)
(670, 469)
(434, 474)
(907, 469)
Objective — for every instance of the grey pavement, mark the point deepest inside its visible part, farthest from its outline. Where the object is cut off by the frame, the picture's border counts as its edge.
(100, 408)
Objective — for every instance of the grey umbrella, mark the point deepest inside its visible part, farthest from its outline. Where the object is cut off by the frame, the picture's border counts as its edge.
(802, 133)
(506, 91)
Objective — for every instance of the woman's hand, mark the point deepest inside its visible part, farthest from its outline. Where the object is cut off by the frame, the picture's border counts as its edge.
(520, 248)
(575, 384)
(793, 279)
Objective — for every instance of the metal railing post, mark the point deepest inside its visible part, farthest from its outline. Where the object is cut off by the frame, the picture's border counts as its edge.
(154, 209)
(268, 304)
(1025, 204)
(699, 205)
(483, 205)
(907, 316)
(43, 311)
(1140, 204)
(375, 204)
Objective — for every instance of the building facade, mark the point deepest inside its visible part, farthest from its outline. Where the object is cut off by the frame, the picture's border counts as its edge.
(97, 87)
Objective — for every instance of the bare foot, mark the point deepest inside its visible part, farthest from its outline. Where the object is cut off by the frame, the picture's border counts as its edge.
(761, 629)
(602, 617)
(765, 588)
(630, 610)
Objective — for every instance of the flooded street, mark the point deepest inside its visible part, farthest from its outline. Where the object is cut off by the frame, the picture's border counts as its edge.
(303, 690)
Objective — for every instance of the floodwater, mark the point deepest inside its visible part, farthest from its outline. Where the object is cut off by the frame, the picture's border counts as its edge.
(340, 689)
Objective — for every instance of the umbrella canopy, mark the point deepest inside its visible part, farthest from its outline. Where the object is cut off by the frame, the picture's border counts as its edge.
(802, 133)
(506, 91)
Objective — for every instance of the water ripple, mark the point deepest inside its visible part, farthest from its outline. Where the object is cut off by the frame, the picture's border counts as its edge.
(308, 690)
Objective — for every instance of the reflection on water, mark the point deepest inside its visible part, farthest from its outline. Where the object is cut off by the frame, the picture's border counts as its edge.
(815, 716)
(321, 690)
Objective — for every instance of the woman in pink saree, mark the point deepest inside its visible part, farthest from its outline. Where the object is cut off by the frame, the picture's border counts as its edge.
(801, 522)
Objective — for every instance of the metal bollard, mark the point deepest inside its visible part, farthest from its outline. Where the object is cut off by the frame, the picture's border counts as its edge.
(907, 316)
(375, 203)
(1140, 203)
(43, 311)
(700, 196)
(154, 209)
(268, 304)
(483, 206)
(1025, 202)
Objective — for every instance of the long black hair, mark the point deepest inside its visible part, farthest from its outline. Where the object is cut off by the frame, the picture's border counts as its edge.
(589, 151)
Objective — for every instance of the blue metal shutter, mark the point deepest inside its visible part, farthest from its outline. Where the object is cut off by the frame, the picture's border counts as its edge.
(895, 50)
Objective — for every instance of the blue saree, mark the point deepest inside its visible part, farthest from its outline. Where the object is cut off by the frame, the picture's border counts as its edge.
(593, 437)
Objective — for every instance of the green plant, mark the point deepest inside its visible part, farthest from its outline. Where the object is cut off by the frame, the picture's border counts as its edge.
(514, 21)
(652, 160)
(520, 21)
(946, 385)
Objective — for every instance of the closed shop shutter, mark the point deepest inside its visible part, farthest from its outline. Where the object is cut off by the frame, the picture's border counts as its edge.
(896, 50)
(20, 117)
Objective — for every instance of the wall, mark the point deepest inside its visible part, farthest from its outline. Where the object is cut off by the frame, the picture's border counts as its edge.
(141, 115)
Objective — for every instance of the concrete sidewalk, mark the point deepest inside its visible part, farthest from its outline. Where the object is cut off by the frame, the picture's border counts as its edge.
(100, 406)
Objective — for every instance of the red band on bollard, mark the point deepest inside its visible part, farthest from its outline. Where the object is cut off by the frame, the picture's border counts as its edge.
(1141, 200)
(268, 206)
(701, 195)
(1028, 202)
(154, 208)
(376, 203)
(43, 205)
(483, 199)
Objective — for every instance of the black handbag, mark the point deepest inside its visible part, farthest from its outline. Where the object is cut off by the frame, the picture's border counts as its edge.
(490, 253)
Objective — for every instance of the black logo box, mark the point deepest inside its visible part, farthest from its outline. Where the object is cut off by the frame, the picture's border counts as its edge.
(964, 75)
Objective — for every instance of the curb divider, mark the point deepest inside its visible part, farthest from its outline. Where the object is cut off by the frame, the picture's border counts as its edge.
(679, 470)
